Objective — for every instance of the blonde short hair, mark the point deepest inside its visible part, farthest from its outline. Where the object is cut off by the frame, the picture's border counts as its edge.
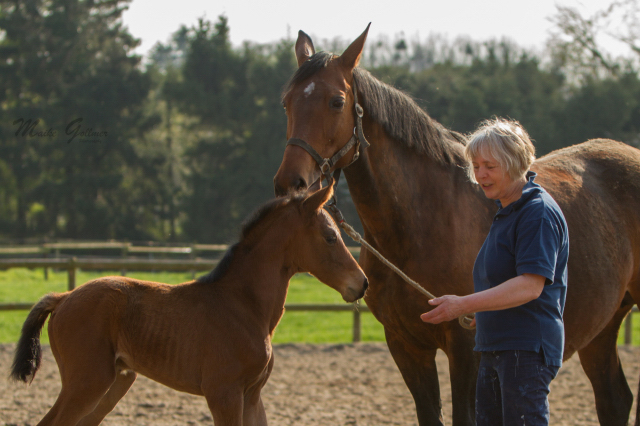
(506, 141)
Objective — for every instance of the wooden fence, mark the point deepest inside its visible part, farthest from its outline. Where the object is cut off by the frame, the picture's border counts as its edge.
(124, 249)
(71, 264)
(108, 264)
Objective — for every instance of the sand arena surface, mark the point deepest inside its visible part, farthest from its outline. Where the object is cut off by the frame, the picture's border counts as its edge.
(311, 385)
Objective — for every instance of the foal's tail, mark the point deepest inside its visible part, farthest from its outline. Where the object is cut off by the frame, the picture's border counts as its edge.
(28, 353)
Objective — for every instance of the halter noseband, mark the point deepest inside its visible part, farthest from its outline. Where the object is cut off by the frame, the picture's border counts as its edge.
(357, 139)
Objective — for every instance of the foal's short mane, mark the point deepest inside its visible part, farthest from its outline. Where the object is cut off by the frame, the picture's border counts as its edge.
(394, 110)
(248, 227)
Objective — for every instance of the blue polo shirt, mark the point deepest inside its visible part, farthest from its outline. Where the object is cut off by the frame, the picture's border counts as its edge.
(528, 236)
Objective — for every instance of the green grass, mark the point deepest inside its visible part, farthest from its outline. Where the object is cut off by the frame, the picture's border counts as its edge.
(635, 331)
(24, 285)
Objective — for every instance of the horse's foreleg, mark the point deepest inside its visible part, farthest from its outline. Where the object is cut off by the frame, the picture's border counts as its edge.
(637, 423)
(226, 405)
(463, 370)
(115, 393)
(601, 363)
(418, 369)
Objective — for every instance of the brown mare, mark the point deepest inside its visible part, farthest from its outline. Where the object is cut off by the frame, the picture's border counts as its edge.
(419, 209)
(208, 337)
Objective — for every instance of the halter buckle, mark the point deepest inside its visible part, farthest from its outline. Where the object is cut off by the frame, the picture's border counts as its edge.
(325, 166)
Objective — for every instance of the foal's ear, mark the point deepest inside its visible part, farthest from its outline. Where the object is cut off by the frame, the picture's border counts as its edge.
(315, 201)
(304, 47)
(351, 57)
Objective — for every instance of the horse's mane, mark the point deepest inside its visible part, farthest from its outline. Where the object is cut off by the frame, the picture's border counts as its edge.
(394, 110)
(221, 269)
(248, 227)
(405, 121)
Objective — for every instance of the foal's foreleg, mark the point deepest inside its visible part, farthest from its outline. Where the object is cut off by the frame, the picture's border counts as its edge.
(119, 389)
(255, 415)
(226, 405)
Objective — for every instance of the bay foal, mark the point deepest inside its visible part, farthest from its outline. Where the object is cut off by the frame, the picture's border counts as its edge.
(210, 337)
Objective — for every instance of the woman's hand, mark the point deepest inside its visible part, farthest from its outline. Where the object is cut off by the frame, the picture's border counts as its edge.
(511, 293)
(447, 308)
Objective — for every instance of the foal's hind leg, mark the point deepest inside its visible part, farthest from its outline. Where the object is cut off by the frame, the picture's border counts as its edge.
(117, 390)
(87, 372)
(77, 399)
(601, 363)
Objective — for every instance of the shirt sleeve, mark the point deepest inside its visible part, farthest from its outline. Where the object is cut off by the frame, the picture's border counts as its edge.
(538, 243)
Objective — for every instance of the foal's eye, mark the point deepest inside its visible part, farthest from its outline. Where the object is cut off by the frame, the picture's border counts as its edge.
(337, 103)
(331, 239)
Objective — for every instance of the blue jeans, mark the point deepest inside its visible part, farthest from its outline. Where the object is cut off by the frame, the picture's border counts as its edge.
(512, 389)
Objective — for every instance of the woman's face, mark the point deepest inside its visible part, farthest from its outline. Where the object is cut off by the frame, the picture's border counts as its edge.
(495, 181)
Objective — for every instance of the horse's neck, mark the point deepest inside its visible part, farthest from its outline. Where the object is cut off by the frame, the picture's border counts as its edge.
(403, 196)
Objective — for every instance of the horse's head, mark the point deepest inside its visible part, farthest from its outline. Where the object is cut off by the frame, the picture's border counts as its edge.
(319, 249)
(321, 112)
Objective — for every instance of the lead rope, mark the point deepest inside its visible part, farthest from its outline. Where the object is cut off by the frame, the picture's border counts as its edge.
(464, 320)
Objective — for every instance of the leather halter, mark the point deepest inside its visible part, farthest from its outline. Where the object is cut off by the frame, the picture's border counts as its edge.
(357, 139)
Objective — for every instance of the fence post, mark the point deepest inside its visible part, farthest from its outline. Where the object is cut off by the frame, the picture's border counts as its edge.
(124, 253)
(71, 271)
(628, 328)
(356, 324)
(193, 255)
(45, 254)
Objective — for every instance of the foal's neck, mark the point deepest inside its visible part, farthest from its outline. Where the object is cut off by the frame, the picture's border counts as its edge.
(260, 277)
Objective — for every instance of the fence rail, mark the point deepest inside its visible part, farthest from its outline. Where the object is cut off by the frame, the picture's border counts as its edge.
(71, 264)
(124, 248)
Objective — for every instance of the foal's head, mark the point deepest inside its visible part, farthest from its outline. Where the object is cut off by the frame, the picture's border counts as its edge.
(318, 248)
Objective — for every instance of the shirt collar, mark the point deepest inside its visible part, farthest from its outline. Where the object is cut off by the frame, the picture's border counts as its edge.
(530, 188)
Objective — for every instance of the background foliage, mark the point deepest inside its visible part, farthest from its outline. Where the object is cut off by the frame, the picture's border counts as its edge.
(96, 143)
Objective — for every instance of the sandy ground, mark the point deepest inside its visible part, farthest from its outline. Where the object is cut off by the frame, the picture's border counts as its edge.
(311, 385)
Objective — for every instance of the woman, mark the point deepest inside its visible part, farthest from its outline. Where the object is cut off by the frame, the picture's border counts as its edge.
(520, 281)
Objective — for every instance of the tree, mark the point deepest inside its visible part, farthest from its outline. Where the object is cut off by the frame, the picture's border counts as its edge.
(576, 44)
(67, 66)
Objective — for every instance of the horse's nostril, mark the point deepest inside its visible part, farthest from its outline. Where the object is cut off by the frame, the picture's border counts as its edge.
(282, 190)
(365, 286)
(300, 184)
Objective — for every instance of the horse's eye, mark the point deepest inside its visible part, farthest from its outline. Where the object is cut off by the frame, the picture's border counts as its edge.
(337, 103)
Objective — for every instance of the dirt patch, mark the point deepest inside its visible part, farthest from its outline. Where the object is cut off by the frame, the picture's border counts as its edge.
(311, 385)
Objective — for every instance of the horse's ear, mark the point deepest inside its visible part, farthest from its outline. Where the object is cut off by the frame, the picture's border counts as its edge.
(351, 57)
(318, 199)
(304, 47)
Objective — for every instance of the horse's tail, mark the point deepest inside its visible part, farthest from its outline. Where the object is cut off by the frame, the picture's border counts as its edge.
(28, 352)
